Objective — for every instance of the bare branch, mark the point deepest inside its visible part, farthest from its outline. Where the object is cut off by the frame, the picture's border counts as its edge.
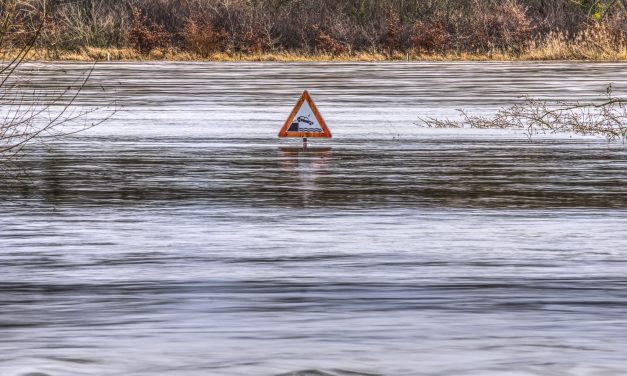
(607, 118)
(29, 113)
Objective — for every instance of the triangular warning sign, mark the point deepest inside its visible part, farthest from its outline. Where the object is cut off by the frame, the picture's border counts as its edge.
(305, 121)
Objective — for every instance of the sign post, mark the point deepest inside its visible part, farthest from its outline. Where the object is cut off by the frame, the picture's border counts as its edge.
(305, 121)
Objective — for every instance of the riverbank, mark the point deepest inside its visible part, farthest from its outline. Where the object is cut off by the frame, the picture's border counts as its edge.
(552, 50)
(320, 30)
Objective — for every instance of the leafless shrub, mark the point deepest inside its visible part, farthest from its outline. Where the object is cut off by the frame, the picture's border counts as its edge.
(393, 36)
(77, 24)
(256, 40)
(144, 35)
(511, 27)
(503, 27)
(29, 113)
(203, 38)
(432, 122)
(33, 115)
(606, 118)
(431, 36)
(327, 44)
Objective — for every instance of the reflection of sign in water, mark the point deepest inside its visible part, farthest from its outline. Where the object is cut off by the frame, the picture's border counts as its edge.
(307, 165)
(305, 121)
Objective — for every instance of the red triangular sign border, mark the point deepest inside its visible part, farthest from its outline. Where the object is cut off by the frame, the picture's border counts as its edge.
(326, 133)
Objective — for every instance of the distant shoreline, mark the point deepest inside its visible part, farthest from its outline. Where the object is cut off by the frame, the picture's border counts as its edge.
(90, 54)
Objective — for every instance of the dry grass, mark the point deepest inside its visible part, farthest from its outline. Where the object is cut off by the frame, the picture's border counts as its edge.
(553, 50)
(594, 44)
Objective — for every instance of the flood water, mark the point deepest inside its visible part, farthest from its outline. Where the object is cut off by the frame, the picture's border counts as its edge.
(181, 237)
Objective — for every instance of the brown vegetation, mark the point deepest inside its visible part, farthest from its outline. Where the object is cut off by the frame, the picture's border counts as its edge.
(202, 38)
(438, 29)
(145, 35)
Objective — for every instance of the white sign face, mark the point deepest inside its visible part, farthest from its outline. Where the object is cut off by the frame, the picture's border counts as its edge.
(305, 120)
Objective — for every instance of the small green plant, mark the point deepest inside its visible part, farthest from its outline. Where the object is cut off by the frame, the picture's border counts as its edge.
(593, 8)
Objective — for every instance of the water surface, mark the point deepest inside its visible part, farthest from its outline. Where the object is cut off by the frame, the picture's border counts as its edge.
(183, 238)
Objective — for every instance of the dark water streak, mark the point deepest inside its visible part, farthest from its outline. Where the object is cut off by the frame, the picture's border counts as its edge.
(430, 173)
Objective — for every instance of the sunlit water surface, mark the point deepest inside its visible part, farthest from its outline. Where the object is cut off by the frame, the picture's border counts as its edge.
(182, 238)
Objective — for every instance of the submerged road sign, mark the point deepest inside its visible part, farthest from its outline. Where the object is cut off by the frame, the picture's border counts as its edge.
(305, 121)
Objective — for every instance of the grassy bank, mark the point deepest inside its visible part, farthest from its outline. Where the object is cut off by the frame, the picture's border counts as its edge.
(553, 49)
(597, 42)
(128, 55)
(316, 30)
